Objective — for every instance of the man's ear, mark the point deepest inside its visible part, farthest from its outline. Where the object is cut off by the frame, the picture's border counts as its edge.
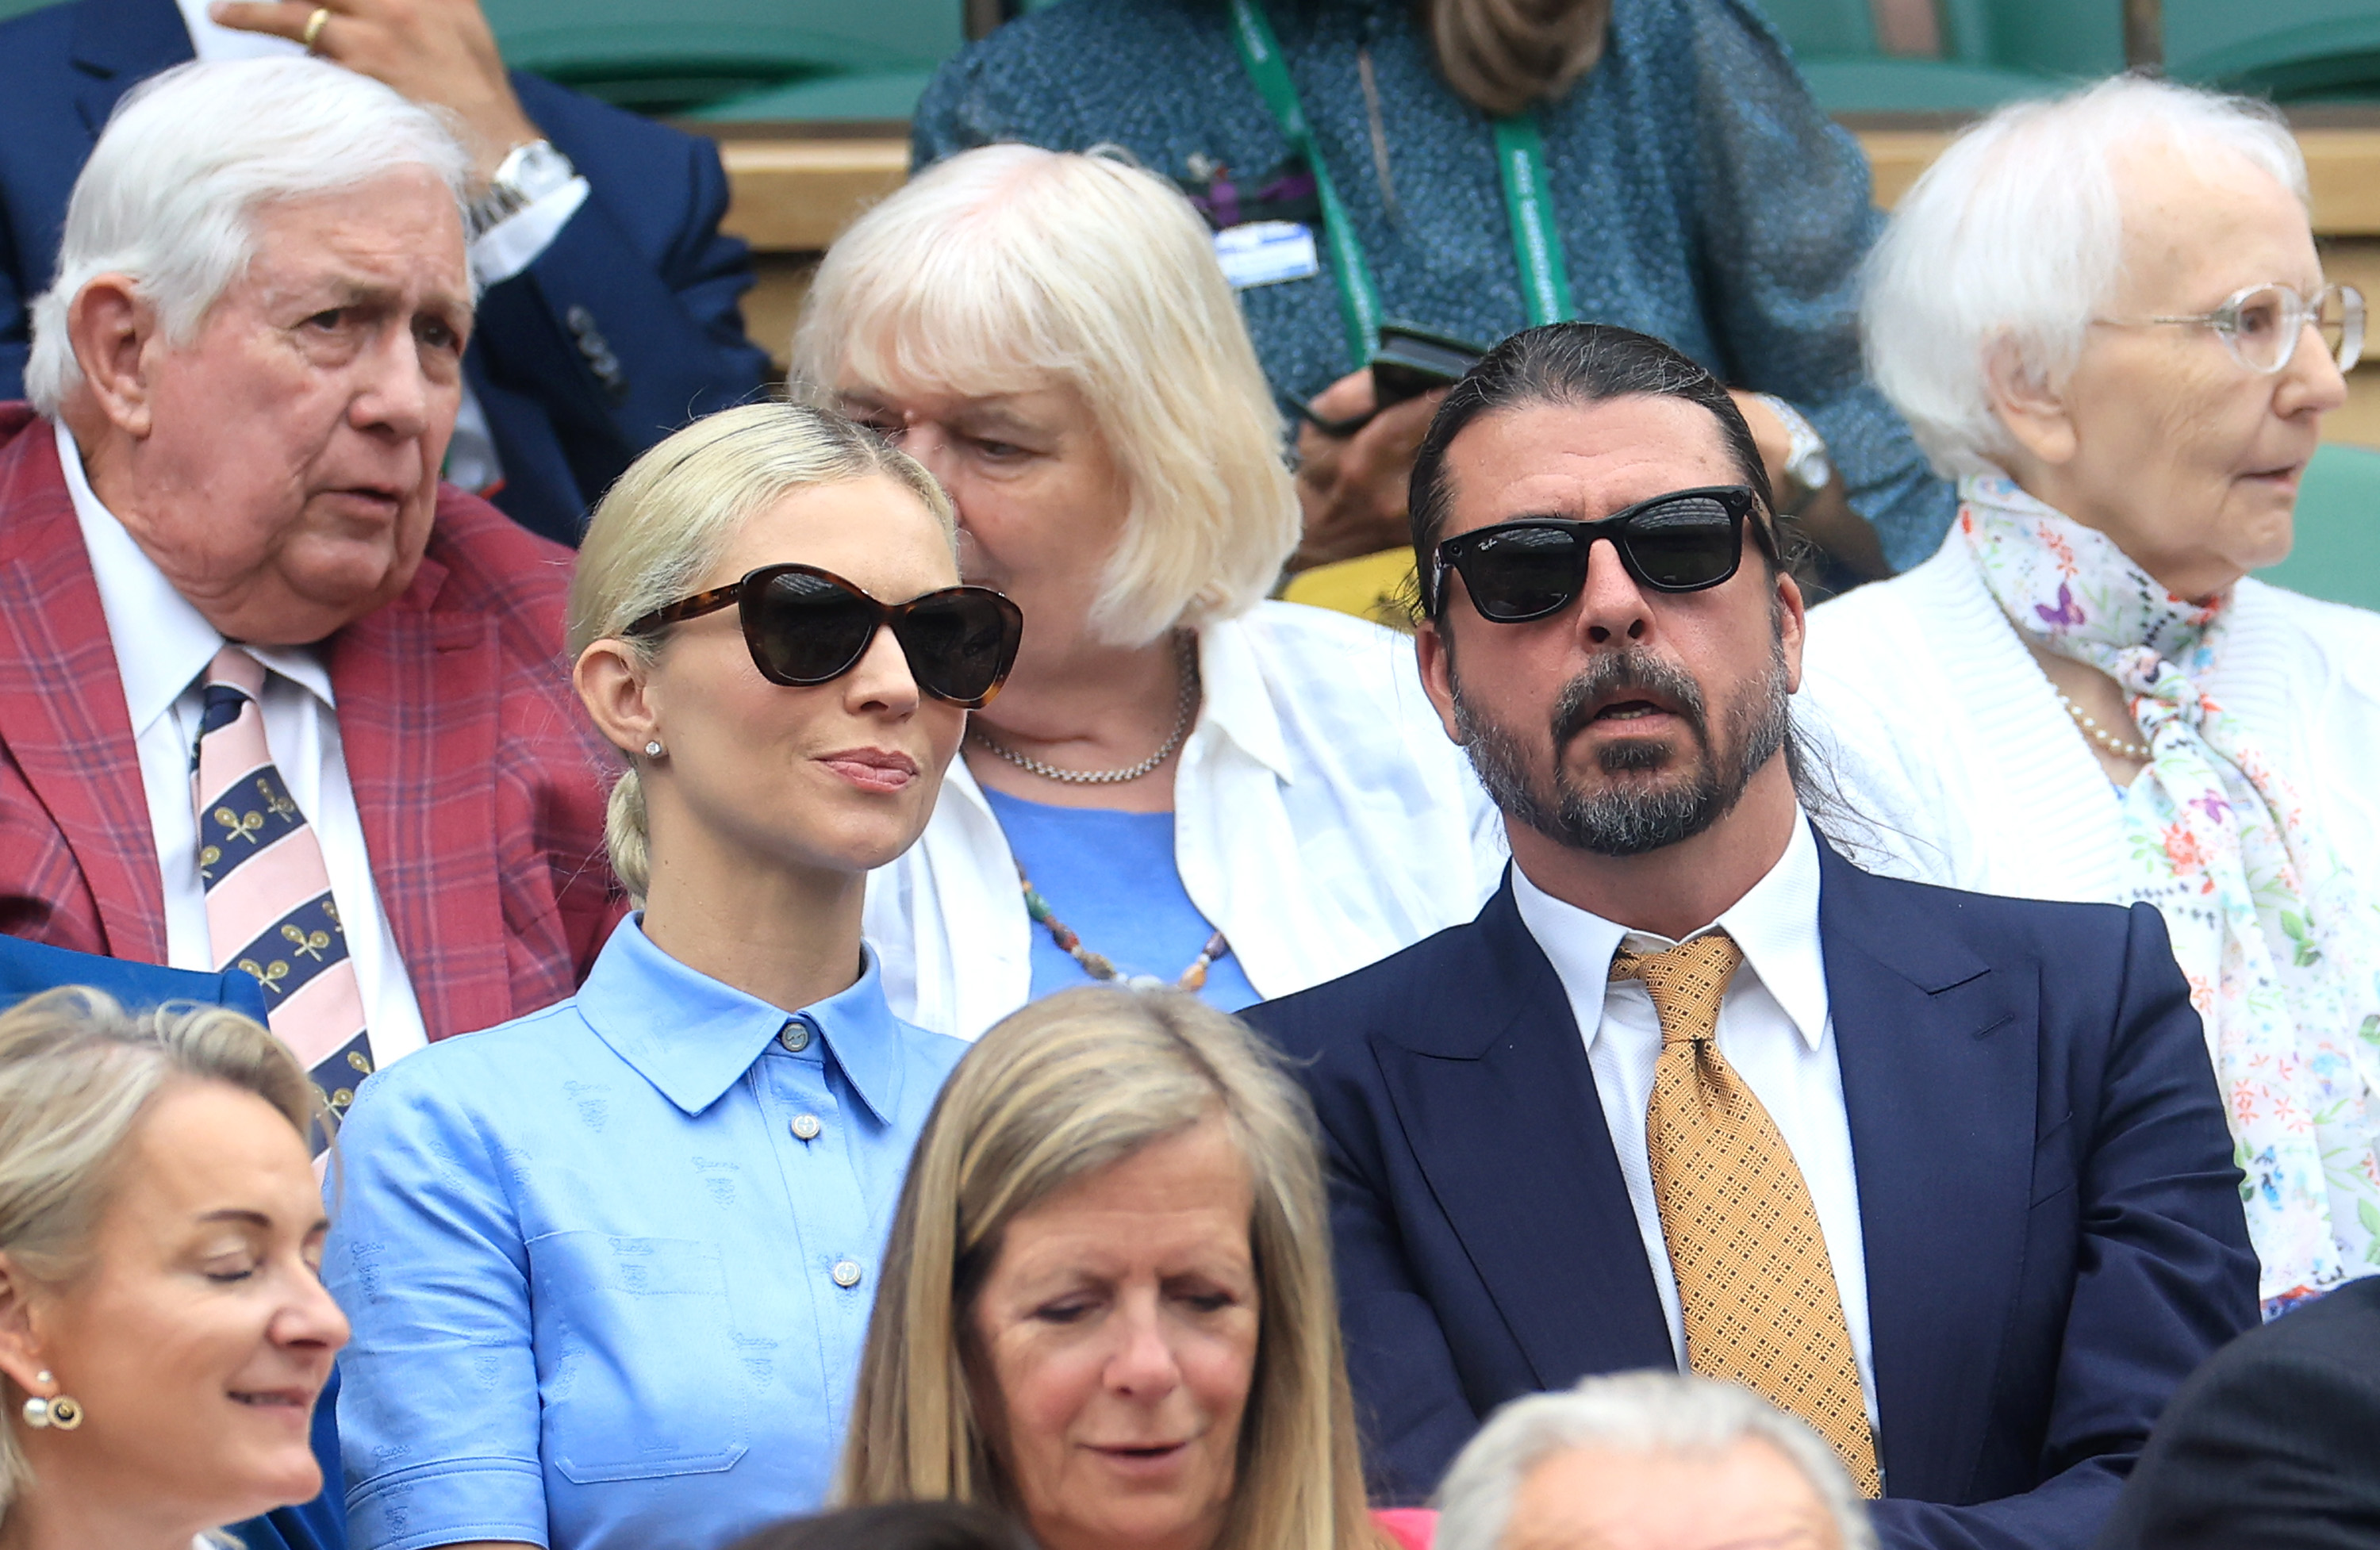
(610, 679)
(1434, 655)
(22, 1357)
(2035, 418)
(1792, 615)
(111, 327)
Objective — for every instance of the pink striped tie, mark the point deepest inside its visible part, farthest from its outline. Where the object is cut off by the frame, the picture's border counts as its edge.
(269, 905)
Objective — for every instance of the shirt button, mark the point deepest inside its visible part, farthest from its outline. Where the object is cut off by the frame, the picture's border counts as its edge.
(796, 1036)
(845, 1273)
(806, 1127)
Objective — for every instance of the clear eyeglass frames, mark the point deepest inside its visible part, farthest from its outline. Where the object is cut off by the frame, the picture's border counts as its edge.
(2262, 324)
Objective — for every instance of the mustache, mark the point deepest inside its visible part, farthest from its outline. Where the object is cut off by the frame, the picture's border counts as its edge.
(1631, 668)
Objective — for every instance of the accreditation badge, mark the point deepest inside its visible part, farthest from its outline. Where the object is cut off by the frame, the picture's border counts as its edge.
(1267, 252)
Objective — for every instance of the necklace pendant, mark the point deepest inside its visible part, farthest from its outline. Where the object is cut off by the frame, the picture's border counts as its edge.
(1144, 981)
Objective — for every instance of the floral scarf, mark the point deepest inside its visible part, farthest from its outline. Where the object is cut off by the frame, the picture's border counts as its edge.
(2278, 943)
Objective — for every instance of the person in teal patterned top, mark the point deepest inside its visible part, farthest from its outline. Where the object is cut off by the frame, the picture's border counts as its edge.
(1700, 195)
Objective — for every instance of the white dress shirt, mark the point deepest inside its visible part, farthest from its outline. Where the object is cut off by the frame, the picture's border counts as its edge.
(1321, 821)
(163, 646)
(1774, 1028)
(501, 252)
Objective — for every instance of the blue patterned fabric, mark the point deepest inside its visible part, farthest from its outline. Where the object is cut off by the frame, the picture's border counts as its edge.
(1701, 194)
(610, 1266)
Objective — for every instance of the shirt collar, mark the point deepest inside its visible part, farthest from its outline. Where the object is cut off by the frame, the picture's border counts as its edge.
(162, 643)
(1776, 923)
(714, 1032)
(1237, 704)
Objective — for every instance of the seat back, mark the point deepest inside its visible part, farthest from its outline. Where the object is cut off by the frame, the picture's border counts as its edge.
(2291, 50)
(2336, 556)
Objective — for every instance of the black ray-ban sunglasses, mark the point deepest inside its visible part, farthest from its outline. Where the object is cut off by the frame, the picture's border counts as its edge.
(806, 626)
(1516, 571)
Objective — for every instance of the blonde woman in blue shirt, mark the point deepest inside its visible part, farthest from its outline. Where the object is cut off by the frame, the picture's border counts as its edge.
(611, 1263)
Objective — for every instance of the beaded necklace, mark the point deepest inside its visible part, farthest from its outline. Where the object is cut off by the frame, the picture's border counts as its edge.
(1193, 978)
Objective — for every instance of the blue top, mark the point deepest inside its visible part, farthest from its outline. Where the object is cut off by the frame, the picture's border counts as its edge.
(609, 1265)
(1110, 877)
(1700, 192)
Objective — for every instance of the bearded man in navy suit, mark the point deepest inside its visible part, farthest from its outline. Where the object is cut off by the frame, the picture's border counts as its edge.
(1945, 1175)
(609, 311)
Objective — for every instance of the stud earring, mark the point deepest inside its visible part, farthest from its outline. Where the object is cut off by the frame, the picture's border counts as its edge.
(653, 749)
(63, 1412)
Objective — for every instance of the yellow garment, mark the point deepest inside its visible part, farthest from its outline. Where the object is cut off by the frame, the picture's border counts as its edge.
(1755, 1288)
(1372, 587)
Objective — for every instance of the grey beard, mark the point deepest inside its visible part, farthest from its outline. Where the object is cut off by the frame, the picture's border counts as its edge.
(1630, 820)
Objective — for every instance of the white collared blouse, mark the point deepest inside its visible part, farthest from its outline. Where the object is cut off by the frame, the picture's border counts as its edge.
(1322, 820)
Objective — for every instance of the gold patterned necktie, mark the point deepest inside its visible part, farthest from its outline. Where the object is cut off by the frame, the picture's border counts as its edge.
(1756, 1288)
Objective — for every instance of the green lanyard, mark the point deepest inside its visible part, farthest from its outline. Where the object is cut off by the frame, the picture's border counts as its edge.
(1520, 162)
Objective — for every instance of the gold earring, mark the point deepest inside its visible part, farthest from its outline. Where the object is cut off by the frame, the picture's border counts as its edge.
(63, 1412)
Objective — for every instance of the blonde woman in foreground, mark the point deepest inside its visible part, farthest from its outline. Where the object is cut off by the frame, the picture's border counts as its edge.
(163, 1330)
(611, 1263)
(1107, 1305)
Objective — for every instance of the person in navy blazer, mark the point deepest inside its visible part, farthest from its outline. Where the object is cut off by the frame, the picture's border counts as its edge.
(2003, 1109)
(625, 324)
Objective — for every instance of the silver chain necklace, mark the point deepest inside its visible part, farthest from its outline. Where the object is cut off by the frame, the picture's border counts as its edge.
(1186, 657)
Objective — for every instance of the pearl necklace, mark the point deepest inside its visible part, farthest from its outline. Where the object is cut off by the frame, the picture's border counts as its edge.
(1186, 712)
(2137, 752)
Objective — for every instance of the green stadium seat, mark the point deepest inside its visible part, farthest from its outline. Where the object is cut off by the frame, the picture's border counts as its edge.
(694, 54)
(2290, 50)
(879, 95)
(2337, 555)
(1834, 43)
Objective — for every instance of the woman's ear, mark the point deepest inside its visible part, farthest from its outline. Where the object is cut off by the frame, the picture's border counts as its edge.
(2035, 418)
(611, 678)
(22, 1356)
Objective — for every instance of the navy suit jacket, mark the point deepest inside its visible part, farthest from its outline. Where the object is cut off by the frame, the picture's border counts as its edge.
(30, 968)
(2052, 1220)
(625, 328)
(2274, 1446)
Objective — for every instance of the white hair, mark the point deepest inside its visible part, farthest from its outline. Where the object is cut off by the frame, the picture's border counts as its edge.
(1632, 1412)
(171, 192)
(1008, 269)
(2014, 240)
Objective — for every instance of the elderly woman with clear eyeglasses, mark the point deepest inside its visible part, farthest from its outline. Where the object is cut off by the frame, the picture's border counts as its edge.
(2105, 315)
(1182, 783)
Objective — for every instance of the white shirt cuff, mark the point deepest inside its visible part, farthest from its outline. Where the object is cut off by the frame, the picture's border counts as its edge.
(514, 243)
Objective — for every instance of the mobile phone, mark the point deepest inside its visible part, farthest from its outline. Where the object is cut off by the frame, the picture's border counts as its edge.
(1411, 362)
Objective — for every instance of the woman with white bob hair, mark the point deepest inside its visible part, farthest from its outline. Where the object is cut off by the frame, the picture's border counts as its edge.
(1641, 1458)
(164, 1328)
(2105, 316)
(1182, 783)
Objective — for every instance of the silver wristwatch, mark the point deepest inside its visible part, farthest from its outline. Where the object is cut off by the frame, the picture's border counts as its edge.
(525, 175)
(1806, 463)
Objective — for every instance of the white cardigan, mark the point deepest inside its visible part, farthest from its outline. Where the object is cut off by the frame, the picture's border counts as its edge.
(1321, 821)
(1960, 766)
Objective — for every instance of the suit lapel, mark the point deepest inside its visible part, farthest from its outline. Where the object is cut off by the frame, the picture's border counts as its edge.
(61, 714)
(1501, 1111)
(417, 721)
(117, 45)
(1939, 1058)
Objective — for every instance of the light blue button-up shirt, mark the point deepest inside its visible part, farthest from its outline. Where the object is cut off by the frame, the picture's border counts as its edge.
(609, 1265)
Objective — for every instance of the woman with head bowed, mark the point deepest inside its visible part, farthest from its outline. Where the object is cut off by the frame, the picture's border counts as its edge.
(1107, 1306)
(2105, 315)
(611, 1263)
(164, 1328)
(1182, 783)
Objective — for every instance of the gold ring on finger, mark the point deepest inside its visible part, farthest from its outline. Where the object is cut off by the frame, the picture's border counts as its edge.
(314, 25)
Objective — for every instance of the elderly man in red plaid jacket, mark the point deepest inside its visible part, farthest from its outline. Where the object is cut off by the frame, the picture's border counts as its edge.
(271, 697)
